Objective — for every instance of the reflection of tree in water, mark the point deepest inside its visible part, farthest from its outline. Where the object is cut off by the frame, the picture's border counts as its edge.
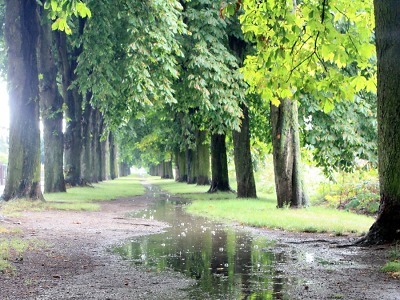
(225, 263)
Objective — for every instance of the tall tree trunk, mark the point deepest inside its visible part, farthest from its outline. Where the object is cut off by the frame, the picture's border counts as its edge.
(387, 226)
(96, 125)
(73, 101)
(105, 159)
(21, 33)
(286, 155)
(219, 164)
(246, 186)
(86, 154)
(203, 158)
(51, 109)
(113, 156)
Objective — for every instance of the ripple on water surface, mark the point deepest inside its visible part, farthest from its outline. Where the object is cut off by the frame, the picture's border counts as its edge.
(227, 263)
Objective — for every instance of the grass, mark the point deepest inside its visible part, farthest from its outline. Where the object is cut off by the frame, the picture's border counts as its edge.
(12, 249)
(262, 212)
(79, 198)
(393, 265)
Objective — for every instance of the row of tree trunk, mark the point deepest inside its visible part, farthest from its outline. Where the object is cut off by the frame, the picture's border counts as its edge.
(86, 152)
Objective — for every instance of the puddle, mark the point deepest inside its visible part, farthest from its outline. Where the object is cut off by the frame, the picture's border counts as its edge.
(227, 263)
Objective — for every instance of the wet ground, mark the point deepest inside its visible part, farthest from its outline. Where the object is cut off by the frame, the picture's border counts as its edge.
(170, 255)
(233, 262)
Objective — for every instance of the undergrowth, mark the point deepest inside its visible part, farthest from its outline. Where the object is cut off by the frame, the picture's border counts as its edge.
(357, 192)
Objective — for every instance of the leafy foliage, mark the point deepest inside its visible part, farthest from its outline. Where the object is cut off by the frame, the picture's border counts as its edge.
(305, 47)
(339, 139)
(129, 56)
(210, 83)
(62, 10)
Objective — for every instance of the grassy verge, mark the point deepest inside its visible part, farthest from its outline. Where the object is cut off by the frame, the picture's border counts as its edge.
(262, 212)
(12, 249)
(79, 198)
(393, 265)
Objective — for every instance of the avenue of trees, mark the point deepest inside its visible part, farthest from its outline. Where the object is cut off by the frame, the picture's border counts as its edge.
(176, 84)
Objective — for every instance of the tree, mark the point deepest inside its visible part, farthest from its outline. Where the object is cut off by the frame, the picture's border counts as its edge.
(51, 110)
(21, 33)
(387, 226)
(286, 155)
(246, 187)
(302, 48)
(219, 164)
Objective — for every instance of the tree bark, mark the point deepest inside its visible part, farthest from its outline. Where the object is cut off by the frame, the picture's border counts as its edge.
(286, 155)
(51, 110)
(203, 158)
(105, 159)
(113, 156)
(86, 149)
(387, 225)
(246, 186)
(219, 165)
(96, 127)
(191, 166)
(21, 34)
(73, 101)
(181, 167)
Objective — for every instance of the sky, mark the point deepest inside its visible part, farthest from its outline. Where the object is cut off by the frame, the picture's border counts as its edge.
(4, 111)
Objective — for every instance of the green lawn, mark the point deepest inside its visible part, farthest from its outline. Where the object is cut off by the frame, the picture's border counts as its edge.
(262, 212)
(80, 198)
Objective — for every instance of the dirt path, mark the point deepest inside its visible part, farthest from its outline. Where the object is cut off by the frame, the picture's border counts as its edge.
(78, 263)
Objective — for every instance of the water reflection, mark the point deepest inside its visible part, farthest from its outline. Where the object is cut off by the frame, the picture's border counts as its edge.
(227, 263)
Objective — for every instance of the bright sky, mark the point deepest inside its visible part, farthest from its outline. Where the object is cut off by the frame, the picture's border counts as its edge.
(4, 111)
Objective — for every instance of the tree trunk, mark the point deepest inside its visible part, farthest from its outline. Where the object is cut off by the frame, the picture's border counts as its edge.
(96, 127)
(167, 170)
(51, 109)
(113, 156)
(203, 158)
(182, 167)
(286, 155)
(219, 165)
(21, 33)
(387, 226)
(73, 101)
(105, 159)
(86, 154)
(191, 166)
(246, 186)
(124, 169)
